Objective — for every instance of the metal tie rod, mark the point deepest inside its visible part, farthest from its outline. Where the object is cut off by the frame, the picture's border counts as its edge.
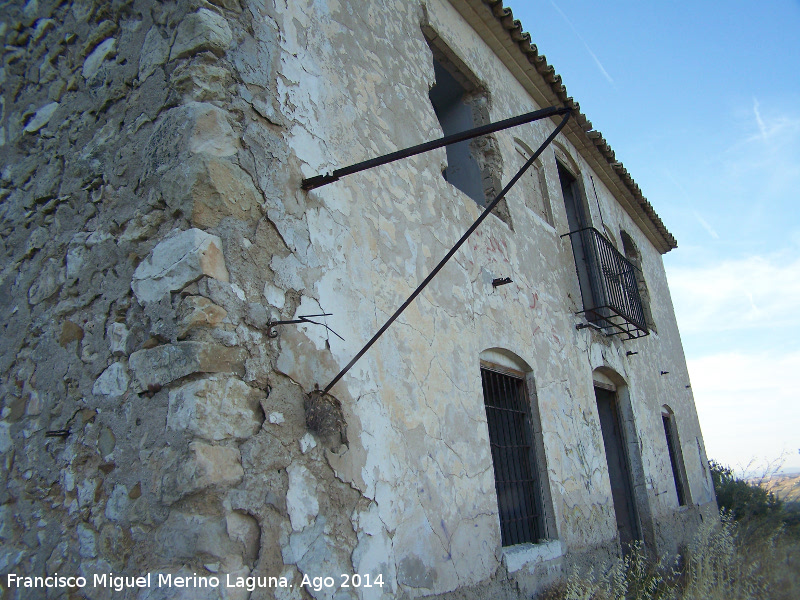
(320, 180)
(540, 114)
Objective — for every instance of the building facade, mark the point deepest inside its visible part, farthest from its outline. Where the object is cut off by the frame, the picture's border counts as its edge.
(155, 226)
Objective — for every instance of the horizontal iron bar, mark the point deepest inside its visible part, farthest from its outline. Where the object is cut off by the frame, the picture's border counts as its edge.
(320, 180)
(455, 248)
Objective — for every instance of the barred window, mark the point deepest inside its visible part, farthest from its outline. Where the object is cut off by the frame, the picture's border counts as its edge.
(511, 438)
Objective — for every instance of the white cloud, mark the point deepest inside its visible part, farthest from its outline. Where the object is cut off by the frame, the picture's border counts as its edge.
(753, 292)
(781, 128)
(749, 407)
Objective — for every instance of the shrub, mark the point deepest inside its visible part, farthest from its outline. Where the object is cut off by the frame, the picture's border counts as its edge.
(741, 499)
(748, 554)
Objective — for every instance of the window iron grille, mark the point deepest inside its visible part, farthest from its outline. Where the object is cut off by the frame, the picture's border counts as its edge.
(613, 302)
(511, 439)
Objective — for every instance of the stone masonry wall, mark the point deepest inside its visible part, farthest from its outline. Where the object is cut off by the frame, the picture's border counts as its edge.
(139, 145)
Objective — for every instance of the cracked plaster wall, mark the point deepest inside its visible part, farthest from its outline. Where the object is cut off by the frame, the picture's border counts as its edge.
(152, 222)
(418, 441)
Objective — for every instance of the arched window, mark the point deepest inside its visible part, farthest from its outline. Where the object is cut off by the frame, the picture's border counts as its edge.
(632, 254)
(515, 437)
(534, 185)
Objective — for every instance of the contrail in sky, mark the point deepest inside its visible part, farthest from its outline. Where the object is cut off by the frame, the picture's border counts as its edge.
(761, 125)
(589, 50)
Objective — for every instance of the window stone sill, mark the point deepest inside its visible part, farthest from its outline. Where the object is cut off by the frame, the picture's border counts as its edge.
(528, 555)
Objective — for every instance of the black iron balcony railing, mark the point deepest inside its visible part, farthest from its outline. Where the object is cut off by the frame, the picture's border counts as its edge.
(612, 301)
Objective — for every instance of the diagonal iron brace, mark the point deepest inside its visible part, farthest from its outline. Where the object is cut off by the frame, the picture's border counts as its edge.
(320, 180)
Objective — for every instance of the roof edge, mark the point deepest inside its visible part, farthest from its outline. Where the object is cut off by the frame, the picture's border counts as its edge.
(592, 140)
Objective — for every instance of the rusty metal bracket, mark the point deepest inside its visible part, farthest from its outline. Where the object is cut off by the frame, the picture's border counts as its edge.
(273, 332)
(320, 180)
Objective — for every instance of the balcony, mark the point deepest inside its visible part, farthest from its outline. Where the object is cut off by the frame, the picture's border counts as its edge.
(608, 285)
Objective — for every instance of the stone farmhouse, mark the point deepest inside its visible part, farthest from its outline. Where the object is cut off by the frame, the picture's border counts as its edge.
(530, 412)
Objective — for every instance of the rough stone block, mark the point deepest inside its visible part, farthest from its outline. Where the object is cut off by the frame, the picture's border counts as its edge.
(41, 118)
(118, 337)
(212, 133)
(207, 189)
(176, 262)
(187, 536)
(197, 311)
(154, 53)
(95, 60)
(156, 367)
(113, 382)
(201, 82)
(216, 409)
(244, 529)
(206, 466)
(48, 282)
(203, 30)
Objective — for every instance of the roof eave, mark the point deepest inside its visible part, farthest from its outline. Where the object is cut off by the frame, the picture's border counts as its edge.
(495, 23)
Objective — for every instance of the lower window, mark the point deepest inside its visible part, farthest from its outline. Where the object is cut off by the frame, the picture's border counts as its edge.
(508, 415)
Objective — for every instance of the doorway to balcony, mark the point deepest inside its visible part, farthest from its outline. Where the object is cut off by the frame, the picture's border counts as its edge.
(607, 279)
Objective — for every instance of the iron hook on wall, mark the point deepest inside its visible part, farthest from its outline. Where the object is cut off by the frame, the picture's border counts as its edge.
(273, 332)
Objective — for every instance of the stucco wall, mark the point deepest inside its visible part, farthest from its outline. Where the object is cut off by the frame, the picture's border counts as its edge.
(152, 224)
(381, 231)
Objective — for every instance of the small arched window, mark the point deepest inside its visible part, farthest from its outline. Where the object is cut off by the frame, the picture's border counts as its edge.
(675, 455)
(632, 254)
(534, 185)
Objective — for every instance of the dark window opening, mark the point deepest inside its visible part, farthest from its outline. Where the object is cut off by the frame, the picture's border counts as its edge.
(511, 438)
(673, 447)
(460, 103)
(578, 220)
(455, 115)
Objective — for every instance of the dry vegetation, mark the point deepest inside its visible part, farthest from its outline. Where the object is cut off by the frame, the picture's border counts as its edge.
(752, 553)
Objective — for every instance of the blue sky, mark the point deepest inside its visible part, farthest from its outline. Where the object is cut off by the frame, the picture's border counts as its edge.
(701, 102)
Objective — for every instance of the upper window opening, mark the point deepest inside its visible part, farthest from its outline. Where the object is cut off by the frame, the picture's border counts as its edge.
(461, 103)
(609, 288)
(634, 256)
(455, 115)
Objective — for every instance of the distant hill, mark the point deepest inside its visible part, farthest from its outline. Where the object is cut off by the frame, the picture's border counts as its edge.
(785, 487)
